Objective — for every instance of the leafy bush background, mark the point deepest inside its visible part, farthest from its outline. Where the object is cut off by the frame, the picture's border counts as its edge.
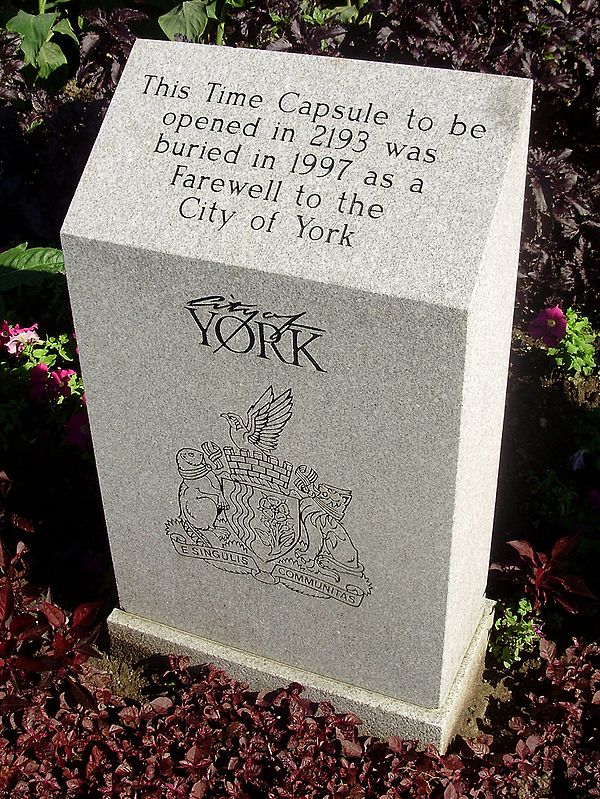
(65, 733)
(48, 136)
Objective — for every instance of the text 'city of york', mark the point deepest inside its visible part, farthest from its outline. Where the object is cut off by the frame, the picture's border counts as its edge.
(245, 329)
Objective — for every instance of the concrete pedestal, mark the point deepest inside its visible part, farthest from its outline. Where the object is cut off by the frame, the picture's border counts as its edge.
(133, 638)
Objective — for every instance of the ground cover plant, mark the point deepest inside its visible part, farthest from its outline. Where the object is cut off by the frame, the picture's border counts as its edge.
(197, 733)
(65, 730)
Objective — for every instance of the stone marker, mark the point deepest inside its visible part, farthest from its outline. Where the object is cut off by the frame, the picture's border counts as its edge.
(292, 279)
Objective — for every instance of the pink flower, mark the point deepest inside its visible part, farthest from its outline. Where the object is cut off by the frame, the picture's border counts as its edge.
(550, 325)
(44, 383)
(59, 382)
(18, 337)
(38, 381)
(77, 430)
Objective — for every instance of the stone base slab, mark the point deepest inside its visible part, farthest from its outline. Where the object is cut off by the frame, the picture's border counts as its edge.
(133, 638)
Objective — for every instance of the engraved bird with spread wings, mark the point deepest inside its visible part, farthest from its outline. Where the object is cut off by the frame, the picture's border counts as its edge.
(264, 424)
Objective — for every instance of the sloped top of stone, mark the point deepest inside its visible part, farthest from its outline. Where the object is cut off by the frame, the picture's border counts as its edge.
(425, 246)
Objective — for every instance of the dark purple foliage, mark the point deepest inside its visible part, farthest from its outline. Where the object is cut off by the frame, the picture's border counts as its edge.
(105, 47)
(47, 136)
(560, 733)
(12, 83)
(68, 735)
(37, 646)
(555, 44)
(253, 26)
(63, 732)
(11, 520)
(40, 169)
(545, 578)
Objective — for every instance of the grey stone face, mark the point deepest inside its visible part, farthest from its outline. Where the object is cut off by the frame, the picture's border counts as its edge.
(292, 279)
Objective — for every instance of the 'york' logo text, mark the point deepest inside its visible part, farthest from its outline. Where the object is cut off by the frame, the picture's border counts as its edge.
(243, 328)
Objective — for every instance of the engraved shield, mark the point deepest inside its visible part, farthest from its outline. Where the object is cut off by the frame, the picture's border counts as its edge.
(264, 519)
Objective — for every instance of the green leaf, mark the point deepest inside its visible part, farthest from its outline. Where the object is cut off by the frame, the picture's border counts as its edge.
(64, 27)
(34, 31)
(20, 265)
(41, 259)
(11, 252)
(345, 14)
(188, 19)
(35, 124)
(51, 6)
(49, 59)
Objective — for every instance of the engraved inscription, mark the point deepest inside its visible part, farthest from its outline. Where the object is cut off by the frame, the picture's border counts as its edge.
(243, 328)
(245, 511)
(255, 158)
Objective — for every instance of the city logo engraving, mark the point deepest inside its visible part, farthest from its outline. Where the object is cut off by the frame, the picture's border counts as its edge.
(245, 511)
(243, 328)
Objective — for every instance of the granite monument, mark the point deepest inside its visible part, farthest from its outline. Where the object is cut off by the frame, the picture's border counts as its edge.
(292, 279)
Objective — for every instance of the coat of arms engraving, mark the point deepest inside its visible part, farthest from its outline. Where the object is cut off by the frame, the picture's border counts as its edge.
(243, 510)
